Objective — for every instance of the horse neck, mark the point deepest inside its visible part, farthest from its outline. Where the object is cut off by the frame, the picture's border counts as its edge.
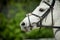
(56, 15)
(57, 8)
(57, 4)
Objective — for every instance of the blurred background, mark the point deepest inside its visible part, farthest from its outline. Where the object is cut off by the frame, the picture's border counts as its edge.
(12, 13)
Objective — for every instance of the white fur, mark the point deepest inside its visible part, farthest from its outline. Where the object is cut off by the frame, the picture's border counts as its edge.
(34, 19)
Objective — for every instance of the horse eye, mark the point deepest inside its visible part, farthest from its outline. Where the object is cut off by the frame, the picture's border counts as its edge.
(41, 9)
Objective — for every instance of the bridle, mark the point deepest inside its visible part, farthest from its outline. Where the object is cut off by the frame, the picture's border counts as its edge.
(44, 15)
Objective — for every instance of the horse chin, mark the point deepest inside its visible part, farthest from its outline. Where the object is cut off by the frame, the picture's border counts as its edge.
(24, 31)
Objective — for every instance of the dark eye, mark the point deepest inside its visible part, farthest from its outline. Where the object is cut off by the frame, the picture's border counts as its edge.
(41, 9)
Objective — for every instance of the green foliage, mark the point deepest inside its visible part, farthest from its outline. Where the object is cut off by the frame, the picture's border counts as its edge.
(40, 33)
(3, 22)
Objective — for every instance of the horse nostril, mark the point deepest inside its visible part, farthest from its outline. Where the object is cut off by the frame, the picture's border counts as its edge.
(23, 24)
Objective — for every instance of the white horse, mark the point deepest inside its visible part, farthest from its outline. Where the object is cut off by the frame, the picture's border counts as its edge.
(40, 10)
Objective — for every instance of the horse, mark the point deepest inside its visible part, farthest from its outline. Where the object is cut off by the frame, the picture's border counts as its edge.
(48, 11)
